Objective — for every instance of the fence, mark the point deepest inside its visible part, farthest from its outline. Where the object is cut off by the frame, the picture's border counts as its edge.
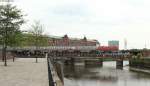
(55, 72)
(50, 76)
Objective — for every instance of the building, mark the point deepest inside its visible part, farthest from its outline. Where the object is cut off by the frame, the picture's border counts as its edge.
(107, 48)
(113, 43)
(112, 46)
(66, 42)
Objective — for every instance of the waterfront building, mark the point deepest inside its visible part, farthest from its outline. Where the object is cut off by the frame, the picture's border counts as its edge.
(66, 43)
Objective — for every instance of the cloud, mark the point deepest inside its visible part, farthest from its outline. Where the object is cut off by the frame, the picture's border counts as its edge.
(100, 19)
(71, 10)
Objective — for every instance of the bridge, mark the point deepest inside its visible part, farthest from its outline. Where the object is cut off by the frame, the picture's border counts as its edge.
(74, 58)
(71, 55)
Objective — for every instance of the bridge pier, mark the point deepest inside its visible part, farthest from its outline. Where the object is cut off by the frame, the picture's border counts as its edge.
(69, 61)
(119, 63)
(79, 62)
(84, 61)
(66, 62)
(94, 62)
(101, 62)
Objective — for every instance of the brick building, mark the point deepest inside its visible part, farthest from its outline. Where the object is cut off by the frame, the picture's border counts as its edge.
(66, 41)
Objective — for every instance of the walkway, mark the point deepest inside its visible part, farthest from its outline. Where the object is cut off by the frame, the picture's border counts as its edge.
(24, 72)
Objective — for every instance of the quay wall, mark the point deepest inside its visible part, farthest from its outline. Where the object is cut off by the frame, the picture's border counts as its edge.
(140, 70)
(140, 65)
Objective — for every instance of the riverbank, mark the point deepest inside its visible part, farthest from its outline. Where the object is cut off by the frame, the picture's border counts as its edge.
(108, 59)
(140, 64)
(111, 59)
(140, 70)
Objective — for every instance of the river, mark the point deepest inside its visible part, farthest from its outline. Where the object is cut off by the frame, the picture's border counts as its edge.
(107, 75)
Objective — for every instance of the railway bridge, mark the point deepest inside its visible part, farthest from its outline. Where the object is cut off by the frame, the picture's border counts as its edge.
(88, 58)
(84, 55)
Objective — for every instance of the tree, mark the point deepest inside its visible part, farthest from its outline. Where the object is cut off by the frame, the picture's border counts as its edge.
(15, 41)
(38, 38)
(11, 19)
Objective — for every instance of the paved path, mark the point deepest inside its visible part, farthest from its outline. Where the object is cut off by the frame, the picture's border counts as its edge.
(24, 72)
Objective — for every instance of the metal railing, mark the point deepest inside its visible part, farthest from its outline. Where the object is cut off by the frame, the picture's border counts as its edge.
(55, 48)
(50, 74)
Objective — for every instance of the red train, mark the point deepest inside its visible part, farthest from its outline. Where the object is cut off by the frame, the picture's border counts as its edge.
(108, 48)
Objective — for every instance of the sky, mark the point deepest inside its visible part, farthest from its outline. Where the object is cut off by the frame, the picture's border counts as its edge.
(96, 19)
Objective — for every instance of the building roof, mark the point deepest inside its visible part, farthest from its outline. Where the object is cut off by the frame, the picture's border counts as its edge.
(56, 37)
(71, 38)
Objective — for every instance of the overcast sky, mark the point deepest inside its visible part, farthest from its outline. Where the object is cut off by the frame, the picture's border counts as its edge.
(97, 19)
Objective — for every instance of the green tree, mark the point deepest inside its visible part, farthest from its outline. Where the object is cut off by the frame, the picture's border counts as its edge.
(15, 41)
(11, 19)
(37, 36)
(26, 40)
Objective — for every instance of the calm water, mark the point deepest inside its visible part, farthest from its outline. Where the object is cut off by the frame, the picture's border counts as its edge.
(107, 75)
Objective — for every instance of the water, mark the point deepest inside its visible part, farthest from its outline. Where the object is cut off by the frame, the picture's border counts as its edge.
(107, 75)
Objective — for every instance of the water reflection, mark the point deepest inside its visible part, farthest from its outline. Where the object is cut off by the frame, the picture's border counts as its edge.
(107, 75)
(86, 73)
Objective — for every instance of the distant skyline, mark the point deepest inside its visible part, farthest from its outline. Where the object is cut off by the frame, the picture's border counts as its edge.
(96, 19)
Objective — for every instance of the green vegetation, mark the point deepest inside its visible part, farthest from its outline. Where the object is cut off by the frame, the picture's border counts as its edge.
(108, 59)
(36, 36)
(11, 19)
(140, 63)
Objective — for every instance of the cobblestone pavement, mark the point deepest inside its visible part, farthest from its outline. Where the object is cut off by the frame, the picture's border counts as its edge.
(24, 72)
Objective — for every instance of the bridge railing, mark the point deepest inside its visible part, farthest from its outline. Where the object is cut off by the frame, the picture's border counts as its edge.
(50, 76)
(55, 48)
(55, 72)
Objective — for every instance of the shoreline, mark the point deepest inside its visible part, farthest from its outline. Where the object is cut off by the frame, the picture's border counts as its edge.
(140, 70)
